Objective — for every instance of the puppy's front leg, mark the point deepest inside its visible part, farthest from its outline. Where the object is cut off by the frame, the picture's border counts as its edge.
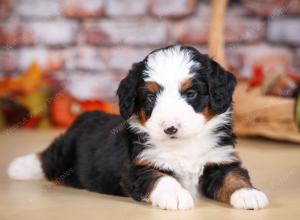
(169, 194)
(230, 183)
(144, 183)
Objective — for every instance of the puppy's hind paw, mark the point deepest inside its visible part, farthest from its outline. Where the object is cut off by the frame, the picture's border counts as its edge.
(248, 198)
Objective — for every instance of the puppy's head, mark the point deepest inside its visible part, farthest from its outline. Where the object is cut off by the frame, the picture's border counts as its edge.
(174, 92)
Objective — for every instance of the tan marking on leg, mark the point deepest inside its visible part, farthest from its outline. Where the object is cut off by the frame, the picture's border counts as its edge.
(232, 182)
(147, 165)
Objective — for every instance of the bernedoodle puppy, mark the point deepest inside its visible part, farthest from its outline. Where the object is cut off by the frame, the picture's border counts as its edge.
(172, 143)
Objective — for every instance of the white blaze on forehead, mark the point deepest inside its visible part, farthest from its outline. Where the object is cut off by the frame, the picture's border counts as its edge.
(170, 66)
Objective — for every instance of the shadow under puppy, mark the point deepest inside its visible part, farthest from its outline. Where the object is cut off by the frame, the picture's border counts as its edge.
(172, 142)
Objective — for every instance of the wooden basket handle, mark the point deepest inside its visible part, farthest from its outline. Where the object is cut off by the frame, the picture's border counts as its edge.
(216, 31)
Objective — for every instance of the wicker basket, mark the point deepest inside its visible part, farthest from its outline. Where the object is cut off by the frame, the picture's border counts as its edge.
(256, 114)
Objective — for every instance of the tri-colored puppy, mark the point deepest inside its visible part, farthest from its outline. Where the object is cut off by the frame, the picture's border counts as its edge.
(172, 142)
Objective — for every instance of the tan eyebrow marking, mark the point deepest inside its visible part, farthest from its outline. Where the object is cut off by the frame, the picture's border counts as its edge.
(152, 87)
(186, 84)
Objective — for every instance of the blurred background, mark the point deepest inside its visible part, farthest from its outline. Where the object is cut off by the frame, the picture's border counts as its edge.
(61, 57)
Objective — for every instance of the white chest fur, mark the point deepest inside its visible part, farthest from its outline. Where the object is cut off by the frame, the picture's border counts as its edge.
(186, 159)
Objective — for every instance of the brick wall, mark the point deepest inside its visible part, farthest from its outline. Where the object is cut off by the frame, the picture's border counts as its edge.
(104, 37)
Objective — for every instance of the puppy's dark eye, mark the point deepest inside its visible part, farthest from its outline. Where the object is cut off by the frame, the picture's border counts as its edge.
(151, 98)
(191, 94)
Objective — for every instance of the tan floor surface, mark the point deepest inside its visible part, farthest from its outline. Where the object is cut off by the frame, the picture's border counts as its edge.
(274, 167)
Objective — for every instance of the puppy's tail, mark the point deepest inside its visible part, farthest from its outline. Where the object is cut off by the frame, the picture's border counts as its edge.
(27, 167)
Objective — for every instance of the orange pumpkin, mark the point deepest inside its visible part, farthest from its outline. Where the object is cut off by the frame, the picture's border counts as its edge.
(65, 109)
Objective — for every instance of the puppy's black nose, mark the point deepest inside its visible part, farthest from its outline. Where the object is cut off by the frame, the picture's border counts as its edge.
(171, 130)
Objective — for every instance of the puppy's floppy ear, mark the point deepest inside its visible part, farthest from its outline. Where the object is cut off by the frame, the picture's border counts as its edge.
(221, 86)
(127, 91)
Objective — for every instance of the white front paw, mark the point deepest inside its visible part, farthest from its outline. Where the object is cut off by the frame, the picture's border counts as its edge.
(169, 194)
(247, 198)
